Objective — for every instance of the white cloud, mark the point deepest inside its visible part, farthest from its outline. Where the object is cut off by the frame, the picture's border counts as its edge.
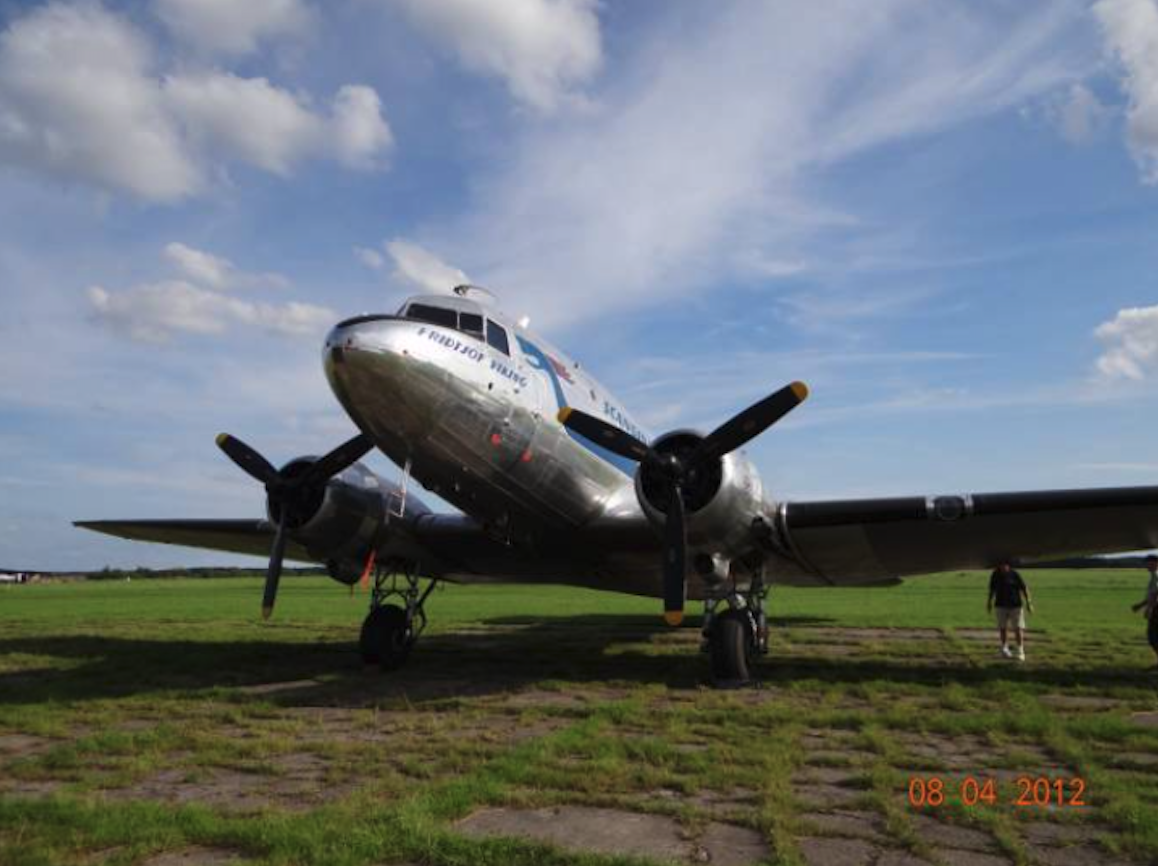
(422, 268)
(254, 121)
(358, 132)
(154, 312)
(701, 165)
(80, 97)
(1131, 339)
(206, 268)
(1079, 115)
(232, 28)
(543, 49)
(77, 99)
(1131, 32)
(216, 272)
(370, 258)
(246, 118)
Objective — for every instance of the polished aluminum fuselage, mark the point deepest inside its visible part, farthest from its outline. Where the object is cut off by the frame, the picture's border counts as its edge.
(479, 428)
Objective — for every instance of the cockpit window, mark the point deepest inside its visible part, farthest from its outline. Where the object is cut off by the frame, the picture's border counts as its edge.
(471, 323)
(433, 315)
(497, 337)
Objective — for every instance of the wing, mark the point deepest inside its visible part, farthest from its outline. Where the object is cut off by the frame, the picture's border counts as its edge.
(446, 546)
(252, 537)
(863, 540)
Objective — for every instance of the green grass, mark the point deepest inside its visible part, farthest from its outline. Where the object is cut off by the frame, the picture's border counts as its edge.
(136, 689)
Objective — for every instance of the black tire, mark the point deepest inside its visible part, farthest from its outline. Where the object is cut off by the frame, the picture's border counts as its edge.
(732, 646)
(385, 639)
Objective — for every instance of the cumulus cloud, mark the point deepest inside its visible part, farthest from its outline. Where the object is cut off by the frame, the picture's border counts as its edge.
(1131, 33)
(357, 131)
(231, 28)
(245, 118)
(154, 312)
(81, 97)
(542, 49)
(423, 268)
(78, 99)
(1131, 340)
(215, 272)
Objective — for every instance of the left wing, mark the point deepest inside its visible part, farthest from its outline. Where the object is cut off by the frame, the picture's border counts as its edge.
(862, 540)
(445, 546)
(251, 537)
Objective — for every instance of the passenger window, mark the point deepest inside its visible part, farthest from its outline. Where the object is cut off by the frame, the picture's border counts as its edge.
(497, 337)
(471, 323)
(433, 315)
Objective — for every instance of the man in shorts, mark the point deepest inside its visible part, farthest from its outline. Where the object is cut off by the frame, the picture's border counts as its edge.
(1007, 589)
(1149, 605)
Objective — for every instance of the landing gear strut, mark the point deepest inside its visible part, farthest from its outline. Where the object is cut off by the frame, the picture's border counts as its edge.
(735, 632)
(396, 617)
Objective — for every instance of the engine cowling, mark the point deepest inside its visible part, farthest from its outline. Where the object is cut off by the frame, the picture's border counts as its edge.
(341, 521)
(721, 497)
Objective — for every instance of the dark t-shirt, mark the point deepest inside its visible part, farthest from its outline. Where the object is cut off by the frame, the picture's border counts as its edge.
(1007, 587)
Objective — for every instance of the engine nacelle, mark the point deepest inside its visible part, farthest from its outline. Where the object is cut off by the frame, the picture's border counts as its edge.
(341, 522)
(721, 499)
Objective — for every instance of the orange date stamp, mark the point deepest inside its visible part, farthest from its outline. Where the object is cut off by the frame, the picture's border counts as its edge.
(1033, 792)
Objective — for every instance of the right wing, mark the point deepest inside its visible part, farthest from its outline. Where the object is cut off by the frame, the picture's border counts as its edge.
(863, 540)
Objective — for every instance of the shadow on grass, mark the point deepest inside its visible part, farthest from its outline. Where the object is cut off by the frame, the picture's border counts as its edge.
(491, 657)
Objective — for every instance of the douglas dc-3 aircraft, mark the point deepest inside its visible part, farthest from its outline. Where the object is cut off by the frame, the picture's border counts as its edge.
(557, 484)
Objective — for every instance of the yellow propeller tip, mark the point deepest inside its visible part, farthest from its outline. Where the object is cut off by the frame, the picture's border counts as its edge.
(800, 390)
(564, 414)
(673, 617)
(221, 437)
(266, 612)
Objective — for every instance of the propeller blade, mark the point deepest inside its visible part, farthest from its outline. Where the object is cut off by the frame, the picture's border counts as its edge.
(342, 457)
(674, 559)
(751, 422)
(252, 463)
(601, 433)
(274, 574)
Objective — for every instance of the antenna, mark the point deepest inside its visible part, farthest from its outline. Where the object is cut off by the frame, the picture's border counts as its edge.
(466, 290)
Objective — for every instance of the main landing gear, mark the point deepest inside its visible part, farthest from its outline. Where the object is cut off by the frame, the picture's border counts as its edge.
(735, 633)
(396, 617)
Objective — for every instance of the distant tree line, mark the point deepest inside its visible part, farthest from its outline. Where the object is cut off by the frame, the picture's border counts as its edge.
(141, 573)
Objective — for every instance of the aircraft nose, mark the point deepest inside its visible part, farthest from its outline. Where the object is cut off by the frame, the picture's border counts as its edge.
(365, 333)
(370, 365)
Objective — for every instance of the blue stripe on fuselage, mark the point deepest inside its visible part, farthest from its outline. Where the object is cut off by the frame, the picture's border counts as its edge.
(539, 361)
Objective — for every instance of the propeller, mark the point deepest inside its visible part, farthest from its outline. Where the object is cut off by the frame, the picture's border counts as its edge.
(676, 471)
(290, 495)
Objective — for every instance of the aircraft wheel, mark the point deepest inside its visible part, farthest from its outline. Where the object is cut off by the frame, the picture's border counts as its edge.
(385, 638)
(732, 646)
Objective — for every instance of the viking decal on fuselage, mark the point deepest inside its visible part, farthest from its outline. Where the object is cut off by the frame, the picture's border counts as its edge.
(456, 345)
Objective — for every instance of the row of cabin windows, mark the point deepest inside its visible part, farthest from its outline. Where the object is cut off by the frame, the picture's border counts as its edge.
(469, 323)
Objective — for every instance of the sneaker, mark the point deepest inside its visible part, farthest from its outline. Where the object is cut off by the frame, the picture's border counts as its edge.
(1005, 653)
(1021, 654)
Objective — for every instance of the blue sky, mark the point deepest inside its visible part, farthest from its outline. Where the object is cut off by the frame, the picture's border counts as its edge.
(941, 216)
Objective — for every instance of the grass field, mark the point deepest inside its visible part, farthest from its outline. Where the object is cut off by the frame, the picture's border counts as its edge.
(161, 723)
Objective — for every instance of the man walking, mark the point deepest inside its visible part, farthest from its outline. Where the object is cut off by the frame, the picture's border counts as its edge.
(1007, 589)
(1149, 605)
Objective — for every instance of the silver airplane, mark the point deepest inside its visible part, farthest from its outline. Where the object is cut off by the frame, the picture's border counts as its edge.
(557, 484)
